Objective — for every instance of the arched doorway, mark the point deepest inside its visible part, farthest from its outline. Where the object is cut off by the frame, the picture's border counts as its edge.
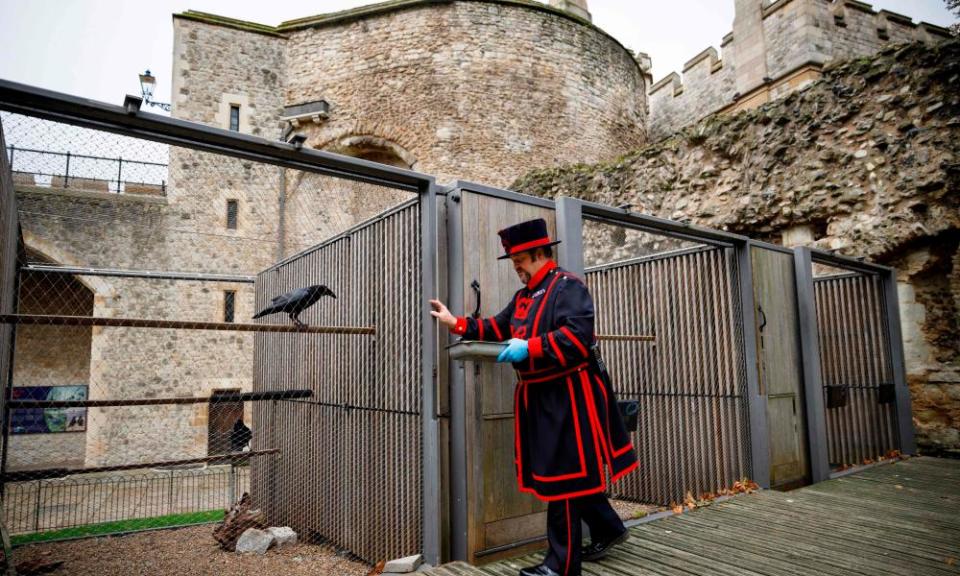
(51, 362)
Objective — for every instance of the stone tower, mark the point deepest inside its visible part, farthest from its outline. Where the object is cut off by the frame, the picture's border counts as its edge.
(575, 7)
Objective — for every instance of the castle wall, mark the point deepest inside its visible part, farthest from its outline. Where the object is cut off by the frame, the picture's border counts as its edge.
(473, 90)
(184, 232)
(795, 38)
(859, 163)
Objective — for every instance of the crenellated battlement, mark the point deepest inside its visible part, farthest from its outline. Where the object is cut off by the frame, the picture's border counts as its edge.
(783, 45)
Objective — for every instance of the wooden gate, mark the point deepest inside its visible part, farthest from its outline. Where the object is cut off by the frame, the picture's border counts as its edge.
(779, 365)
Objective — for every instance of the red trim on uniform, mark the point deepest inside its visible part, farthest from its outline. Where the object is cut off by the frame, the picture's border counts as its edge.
(535, 347)
(566, 570)
(460, 328)
(528, 245)
(556, 349)
(516, 435)
(569, 334)
(541, 274)
(576, 427)
(546, 296)
(496, 329)
(480, 328)
(544, 498)
(620, 474)
(595, 419)
(555, 374)
(616, 451)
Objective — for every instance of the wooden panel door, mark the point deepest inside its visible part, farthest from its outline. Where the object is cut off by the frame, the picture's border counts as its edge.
(221, 418)
(498, 514)
(781, 375)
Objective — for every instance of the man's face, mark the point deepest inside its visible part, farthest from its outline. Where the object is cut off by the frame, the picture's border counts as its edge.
(524, 264)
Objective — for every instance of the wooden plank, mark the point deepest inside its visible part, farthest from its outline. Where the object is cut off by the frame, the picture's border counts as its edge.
(672, 556)
(848, 549)
(823, 529)
(802, 522)
(728, 543)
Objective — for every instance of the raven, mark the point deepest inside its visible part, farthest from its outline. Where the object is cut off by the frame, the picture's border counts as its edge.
(293, 303)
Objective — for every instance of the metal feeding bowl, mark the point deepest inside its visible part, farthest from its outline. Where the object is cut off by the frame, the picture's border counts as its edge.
(476, 350)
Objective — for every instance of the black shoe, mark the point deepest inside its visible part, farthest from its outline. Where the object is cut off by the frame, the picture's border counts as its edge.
(541, 570)
(597, 550)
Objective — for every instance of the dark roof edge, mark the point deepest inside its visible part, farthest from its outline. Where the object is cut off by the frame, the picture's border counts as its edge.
(217, 20)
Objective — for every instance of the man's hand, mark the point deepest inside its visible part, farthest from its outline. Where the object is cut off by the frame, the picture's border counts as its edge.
(441, 313)
(516, 351)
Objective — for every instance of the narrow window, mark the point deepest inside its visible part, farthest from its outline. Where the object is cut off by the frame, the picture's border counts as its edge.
(235, 117)
(229, 304)
(231, 214)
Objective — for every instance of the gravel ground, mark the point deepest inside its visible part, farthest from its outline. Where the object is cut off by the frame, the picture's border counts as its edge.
(189, 551)
(182, 552)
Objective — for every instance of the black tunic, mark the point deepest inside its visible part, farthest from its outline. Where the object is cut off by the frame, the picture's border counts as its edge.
(567, 426)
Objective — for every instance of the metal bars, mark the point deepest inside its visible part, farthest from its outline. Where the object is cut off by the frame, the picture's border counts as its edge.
(690, 382)
(855, 360)
(352, 476)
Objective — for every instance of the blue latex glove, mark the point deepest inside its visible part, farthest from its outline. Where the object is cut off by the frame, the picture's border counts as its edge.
(516, 351)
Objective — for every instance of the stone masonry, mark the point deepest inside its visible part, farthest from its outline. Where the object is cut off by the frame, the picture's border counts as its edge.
(475, 90)
(774, 49)
(864, 161)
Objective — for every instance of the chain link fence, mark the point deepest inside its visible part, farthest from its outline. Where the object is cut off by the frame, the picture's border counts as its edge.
(134, 400)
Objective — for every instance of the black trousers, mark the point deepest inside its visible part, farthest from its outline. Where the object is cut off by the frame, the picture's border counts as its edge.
(564, 533)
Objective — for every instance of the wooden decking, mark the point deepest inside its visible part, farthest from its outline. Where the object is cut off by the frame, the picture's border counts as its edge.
(901, 519)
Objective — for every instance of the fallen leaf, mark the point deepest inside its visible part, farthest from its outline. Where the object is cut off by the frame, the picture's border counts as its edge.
(951, 561)
(898, 487)
(378, 569)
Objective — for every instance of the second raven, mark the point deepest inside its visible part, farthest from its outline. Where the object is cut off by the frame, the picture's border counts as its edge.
(293, 303)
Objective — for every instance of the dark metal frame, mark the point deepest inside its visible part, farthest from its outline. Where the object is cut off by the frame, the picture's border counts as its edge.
(804, 258)
(28, 100)
(571, 212)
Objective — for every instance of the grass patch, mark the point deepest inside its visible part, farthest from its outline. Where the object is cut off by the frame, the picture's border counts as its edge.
(132, 525)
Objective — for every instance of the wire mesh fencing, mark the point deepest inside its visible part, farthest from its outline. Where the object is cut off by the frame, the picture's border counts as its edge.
(134, 401)
(855, 367)
(689, 379)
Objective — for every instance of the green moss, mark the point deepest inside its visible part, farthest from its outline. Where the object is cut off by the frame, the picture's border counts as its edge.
(121, 526)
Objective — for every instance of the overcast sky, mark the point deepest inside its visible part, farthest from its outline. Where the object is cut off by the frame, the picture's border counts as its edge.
(96, 48)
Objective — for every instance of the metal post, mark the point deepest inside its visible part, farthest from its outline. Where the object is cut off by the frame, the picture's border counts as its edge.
(810, 354)
(170, 495)
(458, 403)
(36, 508)
(904, 411)
(119, 173)
(232, 490)
(431, 426)
(66, 173)
(756, 398)
(570, 232)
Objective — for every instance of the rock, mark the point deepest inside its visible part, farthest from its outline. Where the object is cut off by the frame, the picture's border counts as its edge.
(403, 565)
(255, 541)
(283, 536)
(860, 154)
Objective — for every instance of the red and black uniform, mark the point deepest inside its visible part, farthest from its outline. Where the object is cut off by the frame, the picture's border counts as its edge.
(568, 431)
